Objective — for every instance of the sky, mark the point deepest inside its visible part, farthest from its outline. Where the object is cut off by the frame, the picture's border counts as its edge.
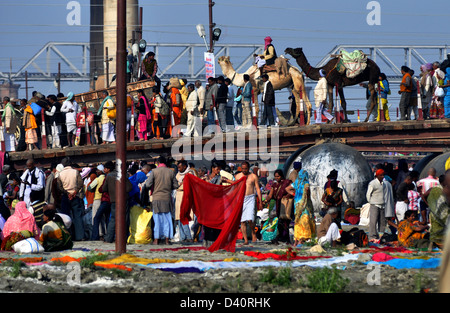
(316, 26)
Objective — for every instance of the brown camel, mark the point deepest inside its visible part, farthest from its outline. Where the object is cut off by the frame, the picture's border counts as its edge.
(293, 79)
(335, 79)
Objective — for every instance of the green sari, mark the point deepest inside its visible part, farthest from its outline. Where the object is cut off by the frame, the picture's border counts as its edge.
(439, 213)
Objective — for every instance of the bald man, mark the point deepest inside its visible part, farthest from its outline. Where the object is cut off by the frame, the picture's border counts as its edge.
(423, 187)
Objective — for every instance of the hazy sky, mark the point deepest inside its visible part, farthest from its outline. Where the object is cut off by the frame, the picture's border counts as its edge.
(317, 26)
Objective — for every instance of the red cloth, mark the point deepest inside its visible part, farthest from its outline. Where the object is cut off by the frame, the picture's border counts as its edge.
(381, 257)
(215, 206)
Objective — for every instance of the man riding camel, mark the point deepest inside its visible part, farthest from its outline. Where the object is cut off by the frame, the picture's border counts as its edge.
(269, 56)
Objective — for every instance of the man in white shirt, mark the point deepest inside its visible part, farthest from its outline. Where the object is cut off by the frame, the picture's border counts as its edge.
(192, 108)
(375, 196)
(33, 179)
(71, 108)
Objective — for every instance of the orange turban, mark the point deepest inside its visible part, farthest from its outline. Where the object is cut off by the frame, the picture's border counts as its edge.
(379, 172)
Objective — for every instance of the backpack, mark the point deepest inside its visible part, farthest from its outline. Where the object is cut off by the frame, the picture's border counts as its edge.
(164, 109)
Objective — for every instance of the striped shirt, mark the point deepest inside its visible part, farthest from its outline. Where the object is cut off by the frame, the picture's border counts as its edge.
(427, 183)
(413, 198)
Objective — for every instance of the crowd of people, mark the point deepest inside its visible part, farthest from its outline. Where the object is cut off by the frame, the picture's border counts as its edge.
(401, 209)
(412, 211)
(150, 115)
(67, 203)
(431, 85)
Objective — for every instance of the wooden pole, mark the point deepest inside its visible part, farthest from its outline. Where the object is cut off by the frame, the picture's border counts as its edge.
(107, 67)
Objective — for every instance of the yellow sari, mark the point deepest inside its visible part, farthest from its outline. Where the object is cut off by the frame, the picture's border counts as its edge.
(305, 224)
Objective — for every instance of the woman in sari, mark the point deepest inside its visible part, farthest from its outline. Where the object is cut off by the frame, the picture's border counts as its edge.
(332, 197)
(21, 220)
(144, 115)
(278, 193)
(296, 189)
(305, 224)
(410, 233)
(55, 236)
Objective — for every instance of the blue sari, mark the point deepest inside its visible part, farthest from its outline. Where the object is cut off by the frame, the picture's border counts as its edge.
(299, 185)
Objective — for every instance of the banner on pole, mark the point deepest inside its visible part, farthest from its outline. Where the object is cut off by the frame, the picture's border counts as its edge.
(210, 65)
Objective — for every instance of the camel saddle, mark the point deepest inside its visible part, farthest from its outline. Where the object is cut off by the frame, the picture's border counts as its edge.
(280, 66)
(352, 64)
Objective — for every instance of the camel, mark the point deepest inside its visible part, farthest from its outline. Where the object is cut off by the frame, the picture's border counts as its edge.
(292, 79)
(335, 79)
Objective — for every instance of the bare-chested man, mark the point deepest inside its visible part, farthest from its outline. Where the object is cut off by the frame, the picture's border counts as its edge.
(248, 210)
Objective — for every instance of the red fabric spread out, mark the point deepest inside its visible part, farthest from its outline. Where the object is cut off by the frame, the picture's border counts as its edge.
(381, 257)
(215, 206)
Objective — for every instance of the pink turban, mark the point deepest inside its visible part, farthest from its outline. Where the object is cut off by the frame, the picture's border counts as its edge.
(267, 41)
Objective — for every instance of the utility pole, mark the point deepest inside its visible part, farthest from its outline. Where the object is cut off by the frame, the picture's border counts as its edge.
(59, 77)
(211, 26)
(107, 67)
(121, 140)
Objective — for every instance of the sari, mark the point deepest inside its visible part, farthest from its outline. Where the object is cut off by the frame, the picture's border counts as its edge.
(299, 186)
(305, 224)
(279, 192)
(439, 213)
(55, 237)
(408, 237)
(21, 220)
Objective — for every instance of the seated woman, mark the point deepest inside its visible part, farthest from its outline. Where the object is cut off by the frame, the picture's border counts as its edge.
(21, 225)
(410, 233)
(328, 231)
(21, 220)
(55, 236)
(332, 197)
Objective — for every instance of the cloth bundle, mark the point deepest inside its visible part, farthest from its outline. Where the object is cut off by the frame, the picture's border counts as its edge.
(353, 63)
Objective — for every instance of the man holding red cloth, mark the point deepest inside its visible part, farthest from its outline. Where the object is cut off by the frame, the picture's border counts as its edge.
(216, 206)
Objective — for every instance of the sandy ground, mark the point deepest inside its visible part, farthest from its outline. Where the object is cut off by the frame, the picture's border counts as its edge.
(67, 278)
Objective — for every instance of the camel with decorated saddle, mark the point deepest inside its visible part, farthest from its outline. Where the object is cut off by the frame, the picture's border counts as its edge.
(283, 75)
(342, 73)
